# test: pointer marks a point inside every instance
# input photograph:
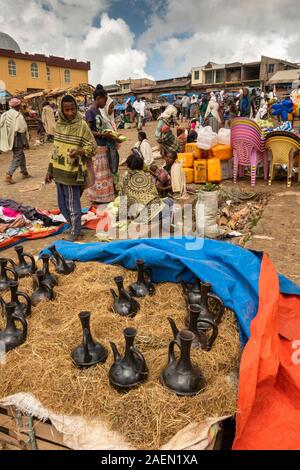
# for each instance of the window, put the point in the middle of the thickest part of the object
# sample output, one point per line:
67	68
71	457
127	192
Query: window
126	86
67	76
271	68
196	75
34	71
12	69
219	76
209	77
48	74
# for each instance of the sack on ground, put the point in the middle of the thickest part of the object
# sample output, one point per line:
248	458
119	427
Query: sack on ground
206	214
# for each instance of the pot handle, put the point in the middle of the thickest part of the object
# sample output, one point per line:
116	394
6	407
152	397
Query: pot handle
16	277
23	322
221	306
33	266
49	290
149	273
27	299
171	354
2	303
11	261
215	330
138	355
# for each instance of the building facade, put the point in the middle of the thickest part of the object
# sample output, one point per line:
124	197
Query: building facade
33	72
233	76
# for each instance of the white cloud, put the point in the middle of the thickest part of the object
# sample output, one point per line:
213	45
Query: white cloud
64	28
188	34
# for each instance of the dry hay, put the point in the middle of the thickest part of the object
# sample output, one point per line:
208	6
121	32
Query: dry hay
147	416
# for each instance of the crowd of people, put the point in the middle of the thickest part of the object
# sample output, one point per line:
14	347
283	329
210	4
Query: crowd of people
86	148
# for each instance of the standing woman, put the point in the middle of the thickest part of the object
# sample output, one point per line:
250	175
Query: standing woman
212	115
103	189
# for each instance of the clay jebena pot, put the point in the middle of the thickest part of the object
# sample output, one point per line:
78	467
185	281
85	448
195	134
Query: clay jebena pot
62	266
42	290
12	336
124	304
24	268
143	286
131	370
88	353
180	375
4	279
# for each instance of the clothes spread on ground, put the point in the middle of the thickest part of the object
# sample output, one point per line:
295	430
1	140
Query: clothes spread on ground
17	220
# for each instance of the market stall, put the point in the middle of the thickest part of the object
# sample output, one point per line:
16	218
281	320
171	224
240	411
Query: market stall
84	404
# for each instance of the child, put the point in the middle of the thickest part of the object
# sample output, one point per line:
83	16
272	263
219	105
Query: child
74	143
181	138
161	178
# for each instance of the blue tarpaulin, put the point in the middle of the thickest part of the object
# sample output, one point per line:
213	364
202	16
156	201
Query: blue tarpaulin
233	271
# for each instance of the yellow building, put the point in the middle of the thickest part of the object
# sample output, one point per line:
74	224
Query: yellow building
34	72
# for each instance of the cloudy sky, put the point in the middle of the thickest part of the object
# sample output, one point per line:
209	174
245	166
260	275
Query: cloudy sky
155	38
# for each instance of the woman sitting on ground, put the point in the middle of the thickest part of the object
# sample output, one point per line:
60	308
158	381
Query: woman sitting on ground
145	148
177	187
143	201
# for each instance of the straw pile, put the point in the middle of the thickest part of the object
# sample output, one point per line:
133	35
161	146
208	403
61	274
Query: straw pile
147	416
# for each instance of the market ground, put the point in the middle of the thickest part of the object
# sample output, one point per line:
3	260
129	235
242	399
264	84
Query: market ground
277	233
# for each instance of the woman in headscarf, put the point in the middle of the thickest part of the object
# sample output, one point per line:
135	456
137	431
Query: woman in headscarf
74	144
101	126
143	201
14	136
203	108
194	111
246	104
212	115
168	141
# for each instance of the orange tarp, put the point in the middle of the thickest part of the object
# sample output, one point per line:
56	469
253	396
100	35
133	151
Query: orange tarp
269	386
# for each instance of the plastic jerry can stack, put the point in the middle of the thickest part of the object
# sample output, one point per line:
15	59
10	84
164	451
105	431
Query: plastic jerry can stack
214	172
222	152
193	148
186	159
189	175
200	171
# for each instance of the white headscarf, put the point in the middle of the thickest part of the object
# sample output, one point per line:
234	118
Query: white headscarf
213	108
109	118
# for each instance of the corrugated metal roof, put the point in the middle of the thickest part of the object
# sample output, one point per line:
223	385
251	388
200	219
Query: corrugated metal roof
285	76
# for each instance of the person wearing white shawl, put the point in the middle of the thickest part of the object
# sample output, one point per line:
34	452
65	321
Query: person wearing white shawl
262	112
108	115
212	114
14	136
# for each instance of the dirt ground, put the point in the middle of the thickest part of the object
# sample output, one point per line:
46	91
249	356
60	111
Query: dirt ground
277	232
